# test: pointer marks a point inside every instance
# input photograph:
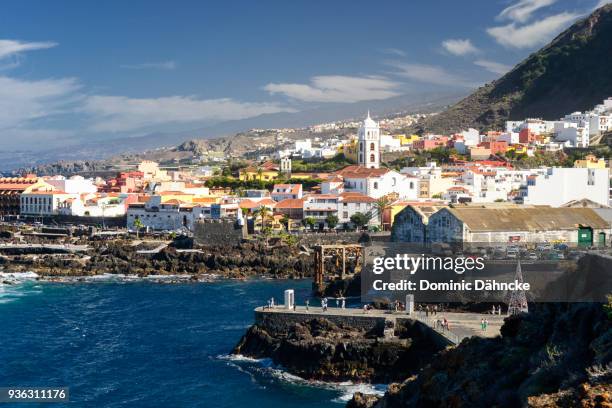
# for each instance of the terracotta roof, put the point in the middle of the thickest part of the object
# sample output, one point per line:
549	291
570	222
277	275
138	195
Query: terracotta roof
290	203
293	188
361	172
457	188
356	198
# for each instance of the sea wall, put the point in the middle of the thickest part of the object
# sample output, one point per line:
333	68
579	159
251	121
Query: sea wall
280	322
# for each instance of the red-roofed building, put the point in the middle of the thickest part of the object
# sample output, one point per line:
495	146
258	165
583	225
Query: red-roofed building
11	189
373	183
284	191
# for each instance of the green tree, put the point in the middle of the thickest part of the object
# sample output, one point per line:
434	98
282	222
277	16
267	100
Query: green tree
360	219
309	222
332	221
138	225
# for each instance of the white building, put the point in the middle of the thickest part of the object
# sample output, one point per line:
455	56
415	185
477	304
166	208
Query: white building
535	126
575	133
72	185
284	191
93	205
597	122
44	202
369	144
559	186
388	143
378	182
343	206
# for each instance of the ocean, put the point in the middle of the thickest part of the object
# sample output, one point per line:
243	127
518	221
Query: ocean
140	344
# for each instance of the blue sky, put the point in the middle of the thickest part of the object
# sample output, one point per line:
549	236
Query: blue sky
73	71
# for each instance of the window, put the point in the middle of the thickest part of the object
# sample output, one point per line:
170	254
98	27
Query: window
411	185
372	157
372	146
375	185
345	214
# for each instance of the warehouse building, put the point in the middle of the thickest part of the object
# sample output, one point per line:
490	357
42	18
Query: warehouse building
518	224
410	224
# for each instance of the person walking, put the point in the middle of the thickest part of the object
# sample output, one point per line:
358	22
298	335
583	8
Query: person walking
482	324
307	304
486	324
343	303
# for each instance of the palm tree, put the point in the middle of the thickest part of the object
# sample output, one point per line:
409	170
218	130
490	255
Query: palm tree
263	212
381	205
285	221
259	173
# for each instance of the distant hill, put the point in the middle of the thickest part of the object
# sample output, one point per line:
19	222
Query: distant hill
572	73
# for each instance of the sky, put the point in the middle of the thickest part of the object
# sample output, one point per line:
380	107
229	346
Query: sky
74	71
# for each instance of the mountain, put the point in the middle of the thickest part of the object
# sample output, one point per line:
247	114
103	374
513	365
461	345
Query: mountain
570	74
424	102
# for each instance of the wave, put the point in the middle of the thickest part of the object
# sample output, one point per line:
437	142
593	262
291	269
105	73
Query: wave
240	357
267	368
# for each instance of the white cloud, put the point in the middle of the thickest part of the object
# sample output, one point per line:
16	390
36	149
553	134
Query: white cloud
459	47
163	65
337	88
10	48
430	74
521	11
394	51
120	113
527	36
492	66
602	3
22	101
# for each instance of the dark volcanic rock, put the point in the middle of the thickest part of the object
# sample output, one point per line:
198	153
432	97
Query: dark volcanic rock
319	349
558	355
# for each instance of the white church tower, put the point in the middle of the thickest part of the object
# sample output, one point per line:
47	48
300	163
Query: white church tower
369	144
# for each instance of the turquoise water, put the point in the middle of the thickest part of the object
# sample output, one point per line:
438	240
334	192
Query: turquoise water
147	345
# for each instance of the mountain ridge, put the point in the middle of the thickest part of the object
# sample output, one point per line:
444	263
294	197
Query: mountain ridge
549	83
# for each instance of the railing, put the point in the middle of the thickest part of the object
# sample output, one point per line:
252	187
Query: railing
454	338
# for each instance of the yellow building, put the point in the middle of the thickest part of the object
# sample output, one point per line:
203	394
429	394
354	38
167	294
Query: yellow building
266	172
407	140
518	149
349	150
590	162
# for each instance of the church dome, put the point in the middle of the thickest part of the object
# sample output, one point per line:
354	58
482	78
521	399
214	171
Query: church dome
368	122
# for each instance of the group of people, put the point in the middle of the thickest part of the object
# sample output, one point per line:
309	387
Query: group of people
271	303
484	324
496	311
443	324
429	309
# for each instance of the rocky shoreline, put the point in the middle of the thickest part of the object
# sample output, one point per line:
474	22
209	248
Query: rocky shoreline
121	258
559	355
321	350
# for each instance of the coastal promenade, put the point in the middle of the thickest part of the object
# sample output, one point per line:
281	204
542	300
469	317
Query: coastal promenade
461	325
52	247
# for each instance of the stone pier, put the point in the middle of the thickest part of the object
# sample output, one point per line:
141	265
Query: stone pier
461	325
